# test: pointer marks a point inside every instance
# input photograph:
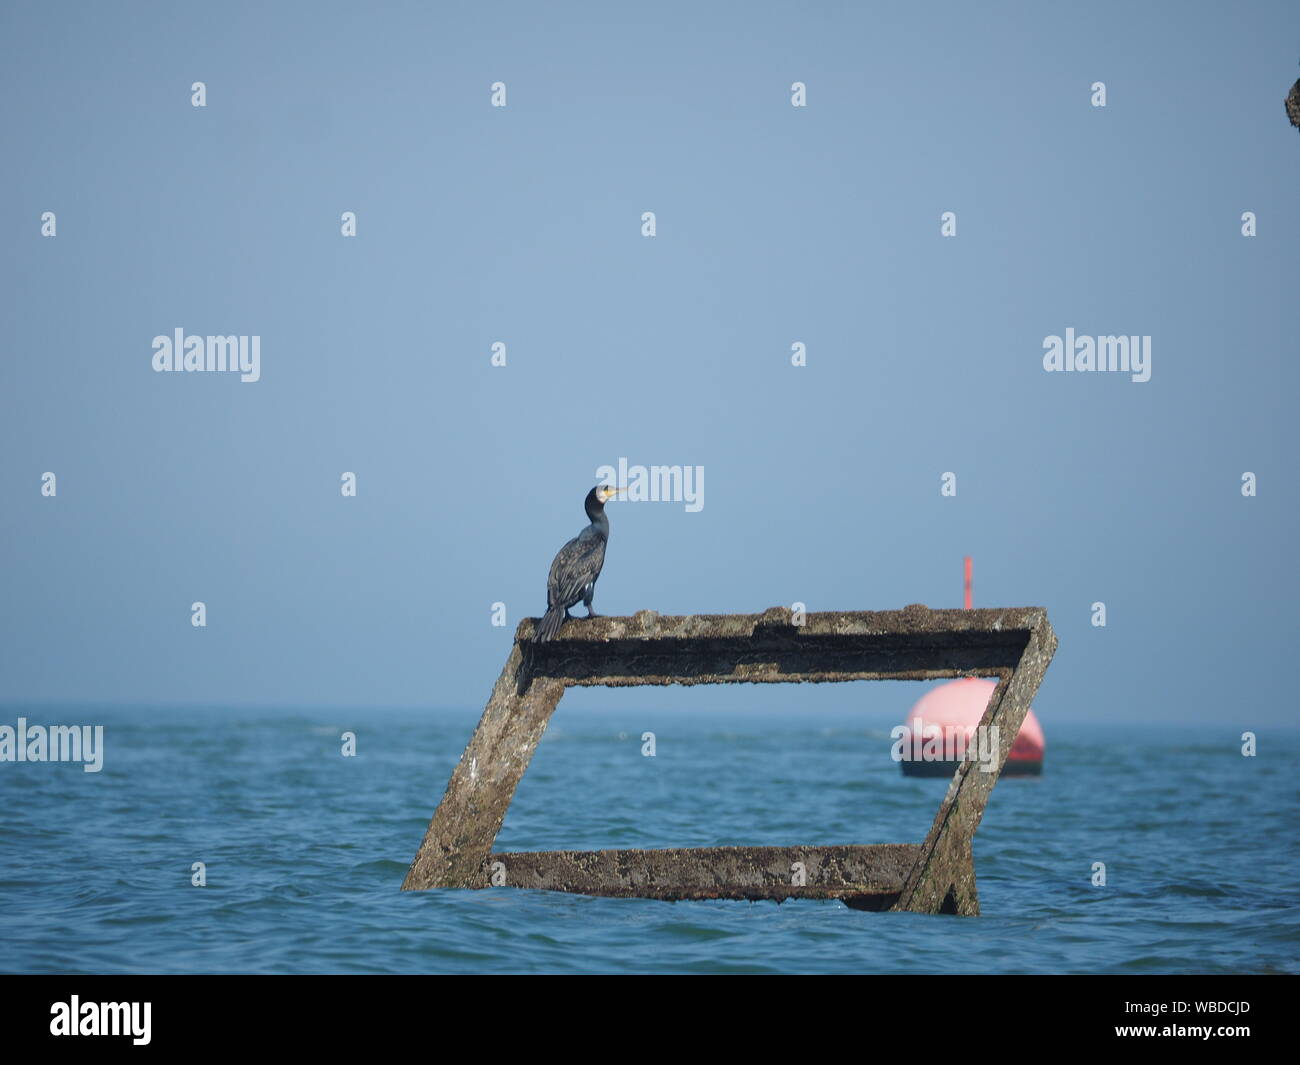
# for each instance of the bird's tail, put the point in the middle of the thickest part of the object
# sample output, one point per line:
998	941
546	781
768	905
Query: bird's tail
549	627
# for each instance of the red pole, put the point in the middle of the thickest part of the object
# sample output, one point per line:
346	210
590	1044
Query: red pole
968	572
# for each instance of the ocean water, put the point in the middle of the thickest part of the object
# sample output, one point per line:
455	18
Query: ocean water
305	849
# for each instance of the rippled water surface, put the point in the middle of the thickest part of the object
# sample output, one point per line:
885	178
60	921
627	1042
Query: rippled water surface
305	849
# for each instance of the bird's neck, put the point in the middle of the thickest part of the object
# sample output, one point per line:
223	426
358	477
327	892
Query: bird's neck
599	521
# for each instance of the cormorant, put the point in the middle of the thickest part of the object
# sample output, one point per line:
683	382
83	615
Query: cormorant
576	567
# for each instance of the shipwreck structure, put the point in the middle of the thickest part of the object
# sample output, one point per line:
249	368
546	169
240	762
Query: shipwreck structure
936	875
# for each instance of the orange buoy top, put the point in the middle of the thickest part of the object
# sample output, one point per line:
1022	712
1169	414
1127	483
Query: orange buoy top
956	707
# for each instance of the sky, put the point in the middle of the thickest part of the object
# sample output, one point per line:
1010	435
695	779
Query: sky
523	225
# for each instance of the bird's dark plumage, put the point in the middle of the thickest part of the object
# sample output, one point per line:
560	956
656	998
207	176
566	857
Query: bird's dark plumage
573	573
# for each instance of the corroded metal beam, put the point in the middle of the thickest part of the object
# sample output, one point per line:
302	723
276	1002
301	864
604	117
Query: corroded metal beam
865	877
910	644
915	643
944	874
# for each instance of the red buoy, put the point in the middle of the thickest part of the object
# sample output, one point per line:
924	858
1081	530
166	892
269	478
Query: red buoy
944	719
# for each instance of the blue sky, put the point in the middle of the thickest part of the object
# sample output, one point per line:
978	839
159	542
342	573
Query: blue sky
522	224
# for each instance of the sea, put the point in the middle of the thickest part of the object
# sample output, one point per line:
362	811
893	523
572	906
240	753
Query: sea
227	840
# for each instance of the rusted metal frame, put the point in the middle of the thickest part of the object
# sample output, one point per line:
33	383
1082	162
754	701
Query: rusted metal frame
767	648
